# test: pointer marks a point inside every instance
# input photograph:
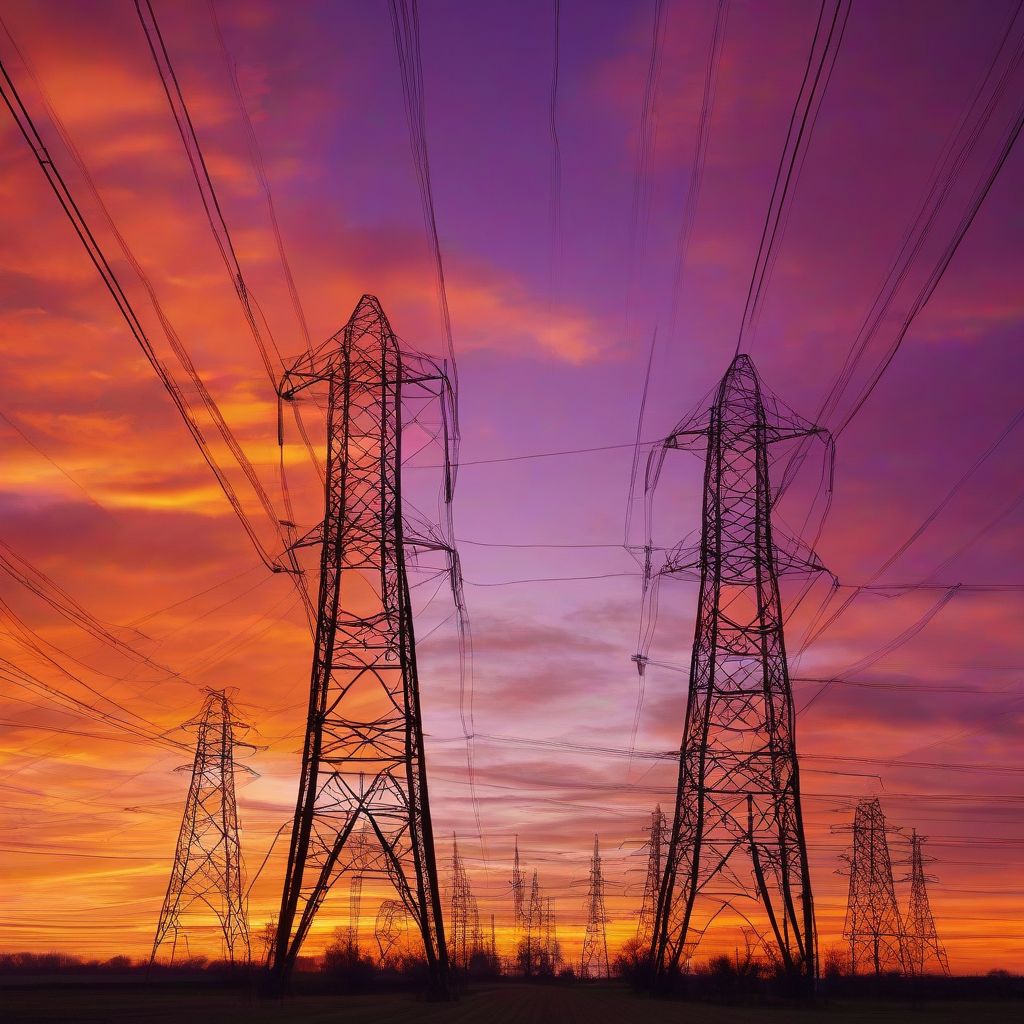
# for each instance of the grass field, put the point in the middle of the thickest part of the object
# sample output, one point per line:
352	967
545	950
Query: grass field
497	1004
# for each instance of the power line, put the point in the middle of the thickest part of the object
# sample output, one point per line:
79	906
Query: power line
813	87
55	179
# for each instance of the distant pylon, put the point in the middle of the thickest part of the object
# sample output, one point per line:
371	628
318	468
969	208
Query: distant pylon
873	926
364	718
534	928
360	863
518	892
355	906
923	948
463	917
652	884
208	873
552	947
594	959
738	791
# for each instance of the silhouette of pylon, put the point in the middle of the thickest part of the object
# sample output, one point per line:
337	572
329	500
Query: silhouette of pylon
363	758
737	832
594	958
652	883
923	948
208	875
873	924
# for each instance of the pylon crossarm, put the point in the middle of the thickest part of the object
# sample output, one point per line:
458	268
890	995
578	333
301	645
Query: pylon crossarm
294	382
312	538
776	434
686	440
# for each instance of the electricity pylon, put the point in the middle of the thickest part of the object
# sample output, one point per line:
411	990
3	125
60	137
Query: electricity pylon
923	948
518	897
552	947
359	865
518	890
739	785
873	925
652	884
594	958
534	919
363	757
208	873
463	919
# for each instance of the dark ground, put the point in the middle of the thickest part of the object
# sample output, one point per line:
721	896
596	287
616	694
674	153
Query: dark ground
601	1003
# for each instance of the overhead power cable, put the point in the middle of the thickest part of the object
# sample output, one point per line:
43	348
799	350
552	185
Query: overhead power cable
828	37
57	183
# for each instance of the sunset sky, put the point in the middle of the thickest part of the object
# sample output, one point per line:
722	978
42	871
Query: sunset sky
554	300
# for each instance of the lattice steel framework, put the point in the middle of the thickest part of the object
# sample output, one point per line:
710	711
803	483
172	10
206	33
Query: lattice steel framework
391	932
873	924
594	958
464	939
518	892
363	757
360	863
552	961
923	948
532	948
652	883
208	875
739	783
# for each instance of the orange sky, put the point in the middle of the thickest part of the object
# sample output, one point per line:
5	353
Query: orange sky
104	492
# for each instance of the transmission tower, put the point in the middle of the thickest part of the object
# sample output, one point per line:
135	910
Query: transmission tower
652	884
738	789
534	928
552	960
594	959
364	709
518	891
360	864
923	948
463	917
208	874
873	925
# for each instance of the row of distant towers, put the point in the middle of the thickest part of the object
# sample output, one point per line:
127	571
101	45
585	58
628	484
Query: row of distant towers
882	939
736	832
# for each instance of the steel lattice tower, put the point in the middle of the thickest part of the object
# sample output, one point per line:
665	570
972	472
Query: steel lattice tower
363	757
873	924
463	919
652	883
922	940
360	863
208	872
534	920
518	891
594	958
738	789
552	948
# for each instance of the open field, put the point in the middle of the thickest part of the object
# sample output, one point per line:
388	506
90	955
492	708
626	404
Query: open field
498	1004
